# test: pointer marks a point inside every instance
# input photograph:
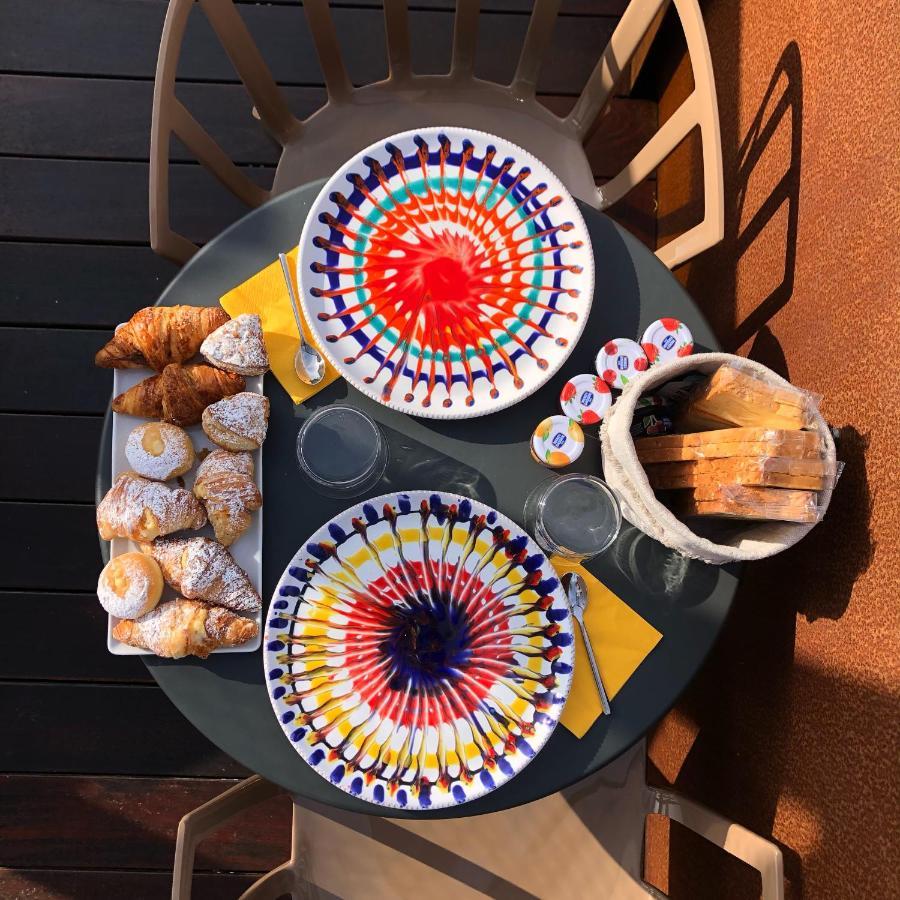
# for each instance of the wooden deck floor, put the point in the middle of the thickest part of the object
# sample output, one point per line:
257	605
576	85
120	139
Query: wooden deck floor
96	766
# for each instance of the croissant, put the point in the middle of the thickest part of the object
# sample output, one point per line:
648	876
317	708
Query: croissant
158	335
178	395
140	509
201	569
225	485
183	627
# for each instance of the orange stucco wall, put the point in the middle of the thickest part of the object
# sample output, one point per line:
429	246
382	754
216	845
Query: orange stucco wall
793	728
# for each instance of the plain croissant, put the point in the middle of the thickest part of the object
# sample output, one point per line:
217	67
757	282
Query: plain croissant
182	627
178	395
225	485
159	335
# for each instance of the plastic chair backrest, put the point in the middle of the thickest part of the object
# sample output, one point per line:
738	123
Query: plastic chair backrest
352	117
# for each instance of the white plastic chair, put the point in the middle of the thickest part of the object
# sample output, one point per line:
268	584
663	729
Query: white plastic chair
585	842
354	117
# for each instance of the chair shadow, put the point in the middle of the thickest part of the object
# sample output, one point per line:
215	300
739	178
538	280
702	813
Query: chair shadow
781	106
765	125
746	701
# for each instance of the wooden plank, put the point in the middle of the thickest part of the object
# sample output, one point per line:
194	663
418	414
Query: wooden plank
114	729
68	117
80	656
62	884
71	821
78	284
51	370
90	201
61	38
49	457
49	546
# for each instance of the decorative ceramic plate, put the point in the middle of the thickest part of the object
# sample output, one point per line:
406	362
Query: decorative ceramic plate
446	272
418	650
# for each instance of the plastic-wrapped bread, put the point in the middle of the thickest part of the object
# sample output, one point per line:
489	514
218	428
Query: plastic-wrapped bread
772	471
743	502
809	439
732	396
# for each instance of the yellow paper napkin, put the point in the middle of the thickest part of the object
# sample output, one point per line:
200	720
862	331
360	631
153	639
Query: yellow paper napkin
265	294
621	639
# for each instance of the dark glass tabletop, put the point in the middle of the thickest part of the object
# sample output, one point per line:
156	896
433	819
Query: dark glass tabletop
486	458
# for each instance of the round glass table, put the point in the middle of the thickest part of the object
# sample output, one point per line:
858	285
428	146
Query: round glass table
487	458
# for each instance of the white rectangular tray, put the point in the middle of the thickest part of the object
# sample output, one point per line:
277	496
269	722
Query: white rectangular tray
246	550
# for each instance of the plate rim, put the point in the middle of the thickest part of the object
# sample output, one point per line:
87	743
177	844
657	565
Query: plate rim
436	412
568	654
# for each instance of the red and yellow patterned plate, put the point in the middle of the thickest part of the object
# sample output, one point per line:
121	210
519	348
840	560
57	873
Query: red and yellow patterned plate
418	650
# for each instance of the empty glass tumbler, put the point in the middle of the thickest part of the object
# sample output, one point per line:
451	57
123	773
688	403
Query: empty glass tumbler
574	516
341	451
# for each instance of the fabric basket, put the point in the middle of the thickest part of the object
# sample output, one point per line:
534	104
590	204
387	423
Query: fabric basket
729	541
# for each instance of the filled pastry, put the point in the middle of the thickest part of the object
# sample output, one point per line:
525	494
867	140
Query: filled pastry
238	346
130	585
181	627
159	335
159	451
225	485
178	395
202	569
142	510
238	422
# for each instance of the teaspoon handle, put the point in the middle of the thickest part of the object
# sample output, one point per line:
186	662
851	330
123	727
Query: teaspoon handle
604	700
285	268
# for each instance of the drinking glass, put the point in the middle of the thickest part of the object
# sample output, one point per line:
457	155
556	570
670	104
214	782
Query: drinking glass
341	451
574	516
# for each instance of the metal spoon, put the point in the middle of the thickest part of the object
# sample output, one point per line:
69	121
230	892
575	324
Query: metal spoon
576	590
308	362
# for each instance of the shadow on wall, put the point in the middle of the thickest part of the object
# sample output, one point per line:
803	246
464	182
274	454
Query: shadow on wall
753	223
786	84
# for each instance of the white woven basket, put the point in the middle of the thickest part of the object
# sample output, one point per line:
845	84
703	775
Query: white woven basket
624	473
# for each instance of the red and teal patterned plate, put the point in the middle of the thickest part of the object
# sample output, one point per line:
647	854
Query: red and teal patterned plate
446	272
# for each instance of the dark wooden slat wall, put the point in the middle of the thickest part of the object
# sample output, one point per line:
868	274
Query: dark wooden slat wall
96	765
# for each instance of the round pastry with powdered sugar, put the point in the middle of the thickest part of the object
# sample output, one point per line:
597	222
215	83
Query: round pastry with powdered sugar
238	346
238	422
130	585
159	451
